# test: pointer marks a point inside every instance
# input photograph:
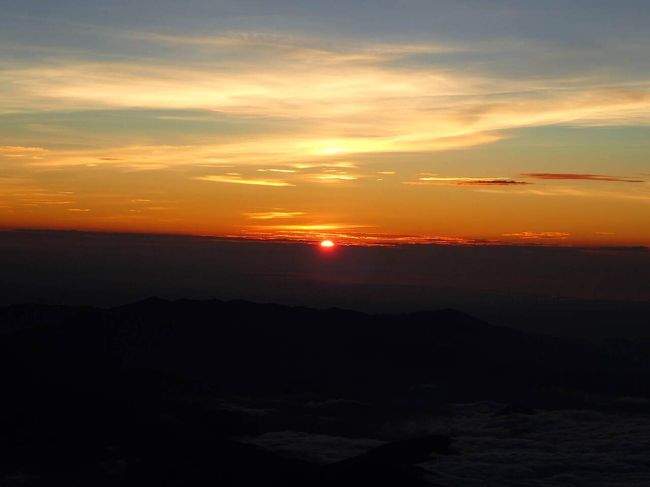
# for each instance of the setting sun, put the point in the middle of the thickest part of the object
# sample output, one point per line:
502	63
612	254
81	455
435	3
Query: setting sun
327	244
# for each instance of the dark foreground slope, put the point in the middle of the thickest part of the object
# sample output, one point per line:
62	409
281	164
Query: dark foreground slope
185	392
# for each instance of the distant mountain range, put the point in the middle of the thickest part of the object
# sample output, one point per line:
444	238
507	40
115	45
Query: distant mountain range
163	389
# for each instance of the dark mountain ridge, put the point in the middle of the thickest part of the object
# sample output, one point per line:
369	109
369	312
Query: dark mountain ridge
159	391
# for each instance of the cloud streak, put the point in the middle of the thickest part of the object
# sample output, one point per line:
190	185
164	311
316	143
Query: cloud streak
463	181
580	177
19	149
241	180
539	235
273	215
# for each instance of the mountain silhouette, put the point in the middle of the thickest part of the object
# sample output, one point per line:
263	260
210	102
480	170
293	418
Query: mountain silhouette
165	392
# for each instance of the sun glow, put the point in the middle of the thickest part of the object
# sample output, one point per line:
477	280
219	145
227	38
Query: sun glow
327	244
332	150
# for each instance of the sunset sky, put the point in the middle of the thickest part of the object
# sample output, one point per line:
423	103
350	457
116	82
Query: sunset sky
367	122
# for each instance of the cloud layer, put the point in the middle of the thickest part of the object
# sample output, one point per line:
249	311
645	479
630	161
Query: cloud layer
580	177
347	98
462	181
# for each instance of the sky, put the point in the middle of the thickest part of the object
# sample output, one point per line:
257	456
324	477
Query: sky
367	122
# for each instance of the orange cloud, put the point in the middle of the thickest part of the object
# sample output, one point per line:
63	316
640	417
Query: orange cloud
19	148
308	228
539	235
343	236
584	177
332	177
272	215
466	181
233	179
277	170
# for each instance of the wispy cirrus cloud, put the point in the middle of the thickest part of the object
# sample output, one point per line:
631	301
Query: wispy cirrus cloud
274	214
539	235
580	177
325	99
638	194
310	227
21	193
20	149
284	171
300	48
233	179
331	177
325	164
465	181
23	153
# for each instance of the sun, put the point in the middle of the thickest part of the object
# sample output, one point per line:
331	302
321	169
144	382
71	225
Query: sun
327	244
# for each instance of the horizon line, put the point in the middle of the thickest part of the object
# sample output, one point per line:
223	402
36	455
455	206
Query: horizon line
397	240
